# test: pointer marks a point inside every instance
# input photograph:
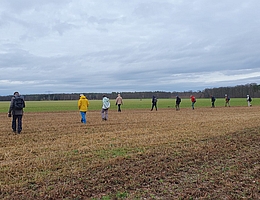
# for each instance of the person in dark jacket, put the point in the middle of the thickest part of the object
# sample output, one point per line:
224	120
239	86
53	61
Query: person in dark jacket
16	110
178	101
227	99
154	103
213	99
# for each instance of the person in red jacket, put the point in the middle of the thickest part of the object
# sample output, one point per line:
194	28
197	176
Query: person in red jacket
193	101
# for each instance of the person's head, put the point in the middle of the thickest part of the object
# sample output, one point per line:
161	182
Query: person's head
247	95
16	93
104	95
118	95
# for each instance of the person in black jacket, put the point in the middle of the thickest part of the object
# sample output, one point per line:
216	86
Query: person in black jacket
154	103
16	110
178	101
213	99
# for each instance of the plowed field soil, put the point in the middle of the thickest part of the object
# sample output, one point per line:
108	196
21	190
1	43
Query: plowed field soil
204	153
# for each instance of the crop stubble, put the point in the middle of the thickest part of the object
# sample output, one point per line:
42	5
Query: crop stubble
202	153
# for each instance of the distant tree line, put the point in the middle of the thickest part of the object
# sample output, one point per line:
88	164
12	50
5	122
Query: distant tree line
239	91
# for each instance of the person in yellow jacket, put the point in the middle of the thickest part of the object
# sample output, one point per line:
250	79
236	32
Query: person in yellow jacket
83	104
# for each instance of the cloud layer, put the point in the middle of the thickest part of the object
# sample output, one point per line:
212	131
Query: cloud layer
66	46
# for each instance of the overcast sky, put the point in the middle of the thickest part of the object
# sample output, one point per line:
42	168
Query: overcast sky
74	46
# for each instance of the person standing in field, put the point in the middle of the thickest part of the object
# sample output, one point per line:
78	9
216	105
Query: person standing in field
154	103
227	99
105	107
16	110
119	102
213	99
193	101
178	101
83	104
249	99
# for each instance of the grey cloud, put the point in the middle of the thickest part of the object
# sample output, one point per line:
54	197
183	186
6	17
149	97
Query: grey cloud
18	7
118	45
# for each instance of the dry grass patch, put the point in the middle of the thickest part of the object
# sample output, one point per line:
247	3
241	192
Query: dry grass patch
202	153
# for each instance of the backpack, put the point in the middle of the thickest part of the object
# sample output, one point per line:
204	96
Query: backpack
18	103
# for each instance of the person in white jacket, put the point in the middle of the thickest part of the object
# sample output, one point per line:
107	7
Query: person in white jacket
105	107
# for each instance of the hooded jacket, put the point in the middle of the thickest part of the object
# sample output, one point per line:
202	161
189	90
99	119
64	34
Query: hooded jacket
106	103
119	100
193	99
83	104
11	108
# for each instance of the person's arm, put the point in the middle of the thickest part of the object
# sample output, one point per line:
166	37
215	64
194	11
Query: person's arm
10	107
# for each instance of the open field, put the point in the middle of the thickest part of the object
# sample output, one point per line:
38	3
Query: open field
137	154
54	106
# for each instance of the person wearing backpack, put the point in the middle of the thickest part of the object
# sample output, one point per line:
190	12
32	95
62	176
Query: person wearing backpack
227	99
249	99
16	110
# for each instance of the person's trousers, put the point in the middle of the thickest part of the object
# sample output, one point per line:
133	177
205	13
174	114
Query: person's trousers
227	104
17	123
213	104
83	117
119	107
192	105
154	105
104	114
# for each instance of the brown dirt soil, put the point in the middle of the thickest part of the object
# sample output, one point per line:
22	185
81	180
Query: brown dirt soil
137	154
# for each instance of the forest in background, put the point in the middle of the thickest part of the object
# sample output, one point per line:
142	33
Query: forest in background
238	91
